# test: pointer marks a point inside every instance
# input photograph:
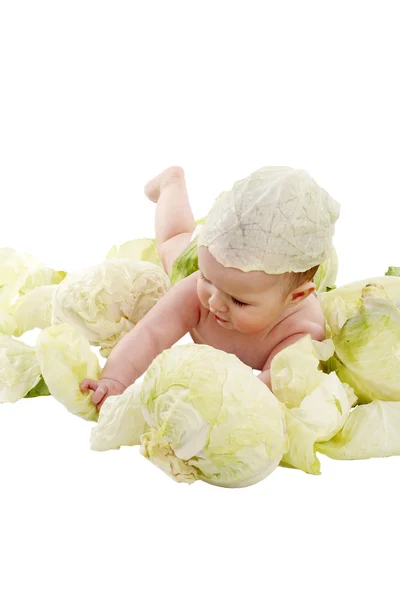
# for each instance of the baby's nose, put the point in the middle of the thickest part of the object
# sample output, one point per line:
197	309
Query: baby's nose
216	302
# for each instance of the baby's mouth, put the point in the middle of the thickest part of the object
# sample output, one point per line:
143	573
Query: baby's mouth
219	319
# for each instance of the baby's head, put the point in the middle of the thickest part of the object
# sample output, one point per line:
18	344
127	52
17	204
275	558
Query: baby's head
261	245
249	301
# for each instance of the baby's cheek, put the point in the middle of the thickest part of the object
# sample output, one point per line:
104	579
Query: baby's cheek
202	294
246	317
253	321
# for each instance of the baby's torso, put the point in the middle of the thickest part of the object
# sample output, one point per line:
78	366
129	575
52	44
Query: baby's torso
254	350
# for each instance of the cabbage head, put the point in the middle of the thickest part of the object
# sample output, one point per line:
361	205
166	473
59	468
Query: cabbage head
317	404
21	273
144	249
187	263
19	369
367	347
65	359
15	268
106	301
371	431
22	307
32	310
7	323
210	418
40	277
121	422
340	304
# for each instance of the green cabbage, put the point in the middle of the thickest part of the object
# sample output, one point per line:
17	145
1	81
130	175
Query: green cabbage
395	271
7	323
33	310
65	359
325	277
22	307
371	431
210	418
121	422
42	276
144	249
40	389
343	302
364	321
19	369
104	302
367	347
15	267
187	263
317	404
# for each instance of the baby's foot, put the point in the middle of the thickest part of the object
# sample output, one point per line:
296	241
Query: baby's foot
153	188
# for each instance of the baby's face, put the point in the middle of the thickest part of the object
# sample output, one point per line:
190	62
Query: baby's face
250	302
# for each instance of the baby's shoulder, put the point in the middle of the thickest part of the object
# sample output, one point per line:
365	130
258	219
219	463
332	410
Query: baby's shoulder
308	319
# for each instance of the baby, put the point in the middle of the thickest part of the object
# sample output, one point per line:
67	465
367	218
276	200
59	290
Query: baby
253	295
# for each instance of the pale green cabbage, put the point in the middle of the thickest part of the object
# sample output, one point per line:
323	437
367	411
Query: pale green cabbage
367	347
66	359
210	418
343	302
144	249
106	301
33	310
371	431
20	275
15	267
187	263
121	422
364	320
325	277
40	277
393	271
19	369
317	404
295	370
7	323
276	220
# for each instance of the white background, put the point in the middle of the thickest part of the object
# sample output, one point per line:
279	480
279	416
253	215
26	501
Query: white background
96	98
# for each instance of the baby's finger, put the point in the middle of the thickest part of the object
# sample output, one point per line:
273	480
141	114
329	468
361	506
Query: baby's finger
100	404
88	384
99	394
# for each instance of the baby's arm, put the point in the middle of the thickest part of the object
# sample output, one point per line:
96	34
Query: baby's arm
167	322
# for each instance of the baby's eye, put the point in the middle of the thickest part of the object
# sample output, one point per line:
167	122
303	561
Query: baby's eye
234	299
238	302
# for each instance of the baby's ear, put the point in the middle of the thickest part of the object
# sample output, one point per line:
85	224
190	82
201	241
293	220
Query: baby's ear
301	293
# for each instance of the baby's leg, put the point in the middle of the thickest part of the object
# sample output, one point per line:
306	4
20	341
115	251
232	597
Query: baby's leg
174	220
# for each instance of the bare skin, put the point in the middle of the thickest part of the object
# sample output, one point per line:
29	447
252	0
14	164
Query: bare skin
257	321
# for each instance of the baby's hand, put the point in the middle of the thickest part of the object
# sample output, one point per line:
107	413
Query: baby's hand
102	389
